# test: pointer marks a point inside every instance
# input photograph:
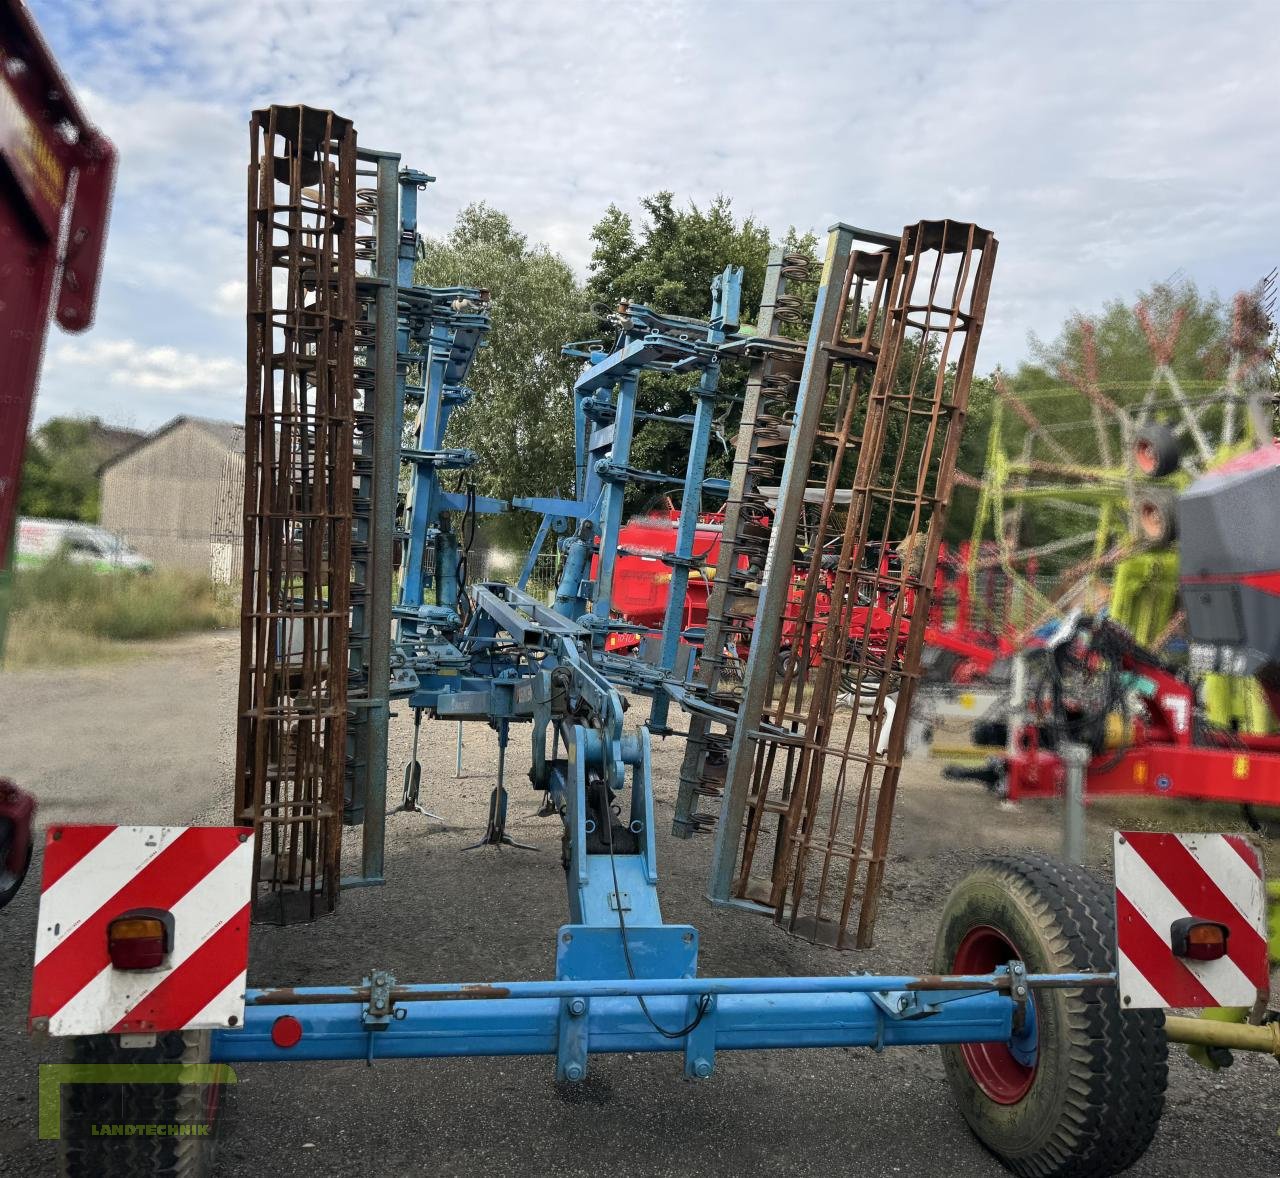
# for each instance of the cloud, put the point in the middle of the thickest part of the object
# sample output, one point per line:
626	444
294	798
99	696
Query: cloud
229	298
1106	145
126	362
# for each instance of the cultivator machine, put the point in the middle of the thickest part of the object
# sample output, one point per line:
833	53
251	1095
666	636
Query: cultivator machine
847	443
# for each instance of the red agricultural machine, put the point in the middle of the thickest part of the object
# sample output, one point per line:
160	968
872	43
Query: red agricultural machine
956	650
1139	717
56	173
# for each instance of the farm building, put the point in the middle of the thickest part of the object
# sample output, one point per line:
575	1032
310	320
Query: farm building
176	495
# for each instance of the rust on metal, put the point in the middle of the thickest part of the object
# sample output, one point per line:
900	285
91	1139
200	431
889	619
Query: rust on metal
827	751
289	996
298	489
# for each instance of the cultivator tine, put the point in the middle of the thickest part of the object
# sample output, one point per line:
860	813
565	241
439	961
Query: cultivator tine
290	747
731	606
413	777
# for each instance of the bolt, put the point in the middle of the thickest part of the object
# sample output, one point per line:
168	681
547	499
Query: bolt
232	1020
578	1006
574	1072
702	1068
903	1002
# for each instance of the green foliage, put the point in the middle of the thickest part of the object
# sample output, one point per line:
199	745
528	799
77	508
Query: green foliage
668	263
1122	363
520	421
1112	352
60	474
64	613
971	458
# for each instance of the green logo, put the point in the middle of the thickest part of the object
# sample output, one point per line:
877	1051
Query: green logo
54	1075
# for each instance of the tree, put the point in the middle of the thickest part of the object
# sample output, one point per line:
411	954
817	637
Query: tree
520	420
1117	352
667	263
60	474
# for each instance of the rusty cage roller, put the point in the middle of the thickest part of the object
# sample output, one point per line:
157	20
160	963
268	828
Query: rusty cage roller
298	499
896	362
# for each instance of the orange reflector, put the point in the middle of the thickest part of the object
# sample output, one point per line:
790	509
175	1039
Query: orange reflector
1198	940
128	927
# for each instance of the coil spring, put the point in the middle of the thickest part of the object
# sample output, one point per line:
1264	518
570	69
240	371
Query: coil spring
367	210
787	308
797	267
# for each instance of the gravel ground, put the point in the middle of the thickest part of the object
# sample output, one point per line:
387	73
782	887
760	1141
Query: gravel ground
152	739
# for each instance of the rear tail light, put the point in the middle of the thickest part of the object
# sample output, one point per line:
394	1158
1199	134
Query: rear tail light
140	939
1198	940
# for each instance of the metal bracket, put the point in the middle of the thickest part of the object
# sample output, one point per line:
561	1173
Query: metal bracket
914	1004
700	1042
377	1013
381	1008
620	901
1019	992
572	1042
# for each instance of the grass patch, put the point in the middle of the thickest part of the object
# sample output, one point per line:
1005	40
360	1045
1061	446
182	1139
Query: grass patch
62	614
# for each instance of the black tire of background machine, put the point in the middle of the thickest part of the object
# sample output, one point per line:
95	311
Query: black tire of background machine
9	884
1157	514
1157	450
86	1155
1098	1091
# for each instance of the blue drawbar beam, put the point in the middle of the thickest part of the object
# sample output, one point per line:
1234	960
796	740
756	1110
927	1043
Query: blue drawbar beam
531	1026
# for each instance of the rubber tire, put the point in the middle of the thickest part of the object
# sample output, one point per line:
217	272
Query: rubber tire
1098	1091
8	893
1160	444
1157	515
84	1155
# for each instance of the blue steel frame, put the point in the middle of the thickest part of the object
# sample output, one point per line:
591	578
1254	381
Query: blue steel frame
440	331
625	979
606	416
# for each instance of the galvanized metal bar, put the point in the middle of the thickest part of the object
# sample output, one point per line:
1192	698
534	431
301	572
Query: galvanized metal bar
621	987
382	420
701	770
767	633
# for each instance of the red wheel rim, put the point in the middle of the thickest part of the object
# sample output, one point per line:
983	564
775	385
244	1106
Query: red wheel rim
992	1065
1144	456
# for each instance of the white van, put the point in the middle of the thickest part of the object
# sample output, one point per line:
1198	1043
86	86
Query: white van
42	539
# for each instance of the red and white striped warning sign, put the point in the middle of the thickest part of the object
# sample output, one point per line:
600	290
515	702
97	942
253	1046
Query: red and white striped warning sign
1162	879
202	876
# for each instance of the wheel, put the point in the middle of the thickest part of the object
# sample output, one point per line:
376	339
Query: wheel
11	881
1089	1099
1155	450
187	1113
1156	516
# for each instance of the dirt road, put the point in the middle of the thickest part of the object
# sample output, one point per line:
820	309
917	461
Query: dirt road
152	739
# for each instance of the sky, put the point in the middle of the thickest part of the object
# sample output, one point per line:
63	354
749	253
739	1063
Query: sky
1108	145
